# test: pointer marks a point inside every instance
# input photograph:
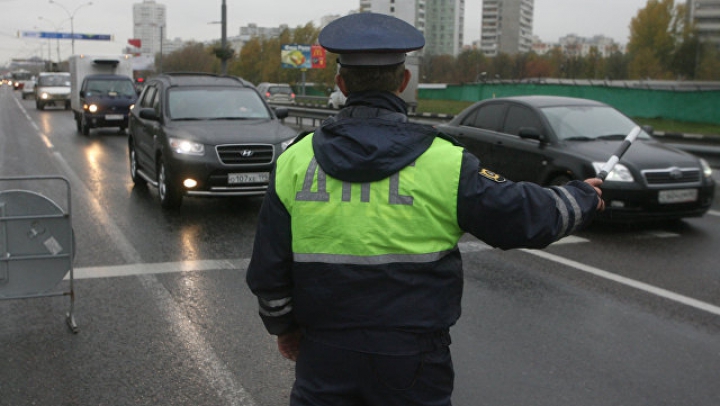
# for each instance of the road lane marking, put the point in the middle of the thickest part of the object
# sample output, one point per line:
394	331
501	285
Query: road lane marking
713	213
158	268
628	282
214	370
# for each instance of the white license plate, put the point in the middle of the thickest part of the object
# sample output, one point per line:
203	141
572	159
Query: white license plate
251	177
113	117
677	196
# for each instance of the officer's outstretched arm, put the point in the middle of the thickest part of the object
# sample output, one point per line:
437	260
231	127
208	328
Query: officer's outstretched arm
507	214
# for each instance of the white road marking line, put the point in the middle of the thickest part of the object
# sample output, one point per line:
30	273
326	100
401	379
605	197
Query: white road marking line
158	268
213	368
628	282
713	213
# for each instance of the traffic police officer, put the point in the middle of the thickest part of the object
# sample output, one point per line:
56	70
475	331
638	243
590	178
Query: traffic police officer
355	262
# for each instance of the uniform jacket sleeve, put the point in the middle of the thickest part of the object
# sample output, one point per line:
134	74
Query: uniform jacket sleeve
506	214
269	274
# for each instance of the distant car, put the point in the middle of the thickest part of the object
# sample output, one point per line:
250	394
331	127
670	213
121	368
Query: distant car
336	99
280	93
552	140
106	100
29	89
200	134
52	89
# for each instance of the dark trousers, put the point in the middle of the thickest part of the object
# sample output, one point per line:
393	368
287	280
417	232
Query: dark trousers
330	376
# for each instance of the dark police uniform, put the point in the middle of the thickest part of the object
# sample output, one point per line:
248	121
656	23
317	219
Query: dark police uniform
357	237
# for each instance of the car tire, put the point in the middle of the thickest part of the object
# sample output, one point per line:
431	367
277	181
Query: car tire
559	180
169	193
135	166
84	127
39	106
67	105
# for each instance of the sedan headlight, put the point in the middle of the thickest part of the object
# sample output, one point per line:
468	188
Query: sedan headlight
620	172
186	147
707	171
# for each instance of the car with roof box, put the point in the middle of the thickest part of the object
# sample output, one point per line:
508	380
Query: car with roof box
204	135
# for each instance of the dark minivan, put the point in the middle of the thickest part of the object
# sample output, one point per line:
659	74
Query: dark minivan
106	102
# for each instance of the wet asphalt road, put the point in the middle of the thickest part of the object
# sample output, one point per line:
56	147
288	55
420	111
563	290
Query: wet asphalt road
614	315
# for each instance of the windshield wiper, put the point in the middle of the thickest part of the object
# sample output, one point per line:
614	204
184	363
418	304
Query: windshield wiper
618	137
580	138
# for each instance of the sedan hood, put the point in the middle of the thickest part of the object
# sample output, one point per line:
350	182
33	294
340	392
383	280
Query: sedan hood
216	132
642	154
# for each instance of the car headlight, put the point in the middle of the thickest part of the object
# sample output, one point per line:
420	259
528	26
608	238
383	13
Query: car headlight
186	147
707	171
91	107
620	172
44	95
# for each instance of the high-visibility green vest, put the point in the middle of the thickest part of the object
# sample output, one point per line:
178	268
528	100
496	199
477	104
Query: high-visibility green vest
410	216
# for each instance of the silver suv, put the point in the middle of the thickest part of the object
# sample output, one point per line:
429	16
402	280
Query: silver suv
280	93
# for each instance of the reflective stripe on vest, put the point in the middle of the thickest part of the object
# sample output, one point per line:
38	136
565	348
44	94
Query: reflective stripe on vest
410	216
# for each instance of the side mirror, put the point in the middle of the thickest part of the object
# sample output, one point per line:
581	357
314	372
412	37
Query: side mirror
281	112
648	129
82	93
148	114
531	133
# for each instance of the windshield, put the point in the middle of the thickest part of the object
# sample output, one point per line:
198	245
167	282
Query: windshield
589	123
110	87
279	90
215	103
54	80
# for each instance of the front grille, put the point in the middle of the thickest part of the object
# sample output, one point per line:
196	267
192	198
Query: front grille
245	154
672	176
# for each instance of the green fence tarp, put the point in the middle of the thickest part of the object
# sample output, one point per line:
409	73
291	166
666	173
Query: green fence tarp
691	106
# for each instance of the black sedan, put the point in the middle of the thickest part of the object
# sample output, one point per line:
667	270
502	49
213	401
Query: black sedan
551	140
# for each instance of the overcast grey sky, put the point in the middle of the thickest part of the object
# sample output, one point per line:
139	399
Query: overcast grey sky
191	19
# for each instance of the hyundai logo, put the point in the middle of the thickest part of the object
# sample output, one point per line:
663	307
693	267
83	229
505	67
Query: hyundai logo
676	173
246	153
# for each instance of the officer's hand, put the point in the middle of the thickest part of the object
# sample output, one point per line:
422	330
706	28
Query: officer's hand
596	183
289	344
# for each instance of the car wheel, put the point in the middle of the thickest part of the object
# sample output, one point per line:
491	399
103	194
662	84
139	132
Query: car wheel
84	127
67	105
134	166
39	106
170	196
559	180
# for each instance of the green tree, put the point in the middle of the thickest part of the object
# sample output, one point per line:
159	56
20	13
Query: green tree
653	34
193	57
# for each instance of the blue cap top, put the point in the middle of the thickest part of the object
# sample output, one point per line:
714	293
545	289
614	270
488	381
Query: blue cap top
370	39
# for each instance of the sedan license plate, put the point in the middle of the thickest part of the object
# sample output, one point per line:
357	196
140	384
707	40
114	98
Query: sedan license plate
113	117
250	177
677	196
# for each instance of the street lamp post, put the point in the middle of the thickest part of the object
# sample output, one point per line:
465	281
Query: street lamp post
72	18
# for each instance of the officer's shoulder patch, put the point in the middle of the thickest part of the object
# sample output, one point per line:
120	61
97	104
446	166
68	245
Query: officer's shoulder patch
491	175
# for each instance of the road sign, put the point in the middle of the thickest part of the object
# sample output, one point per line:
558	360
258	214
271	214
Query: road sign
65	35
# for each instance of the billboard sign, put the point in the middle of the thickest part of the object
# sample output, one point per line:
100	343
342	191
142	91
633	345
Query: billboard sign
298	56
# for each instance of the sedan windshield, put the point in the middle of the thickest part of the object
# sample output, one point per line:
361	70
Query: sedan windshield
589	123
215	104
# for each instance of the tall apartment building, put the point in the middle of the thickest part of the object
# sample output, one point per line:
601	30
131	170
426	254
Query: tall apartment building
706	16
442	22
444	26
506	26
410	11
149	25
